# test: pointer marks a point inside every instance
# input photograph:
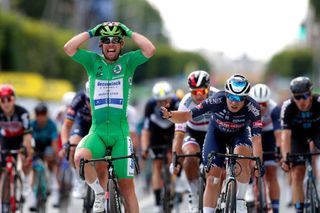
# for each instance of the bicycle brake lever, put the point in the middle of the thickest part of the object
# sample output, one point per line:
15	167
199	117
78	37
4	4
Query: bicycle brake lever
81	169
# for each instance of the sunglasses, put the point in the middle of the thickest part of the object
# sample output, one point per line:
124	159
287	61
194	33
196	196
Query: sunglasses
263	104
113	40
6	99
199	91
303	96
235	98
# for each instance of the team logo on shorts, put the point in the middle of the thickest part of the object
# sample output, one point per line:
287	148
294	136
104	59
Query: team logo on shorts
117	69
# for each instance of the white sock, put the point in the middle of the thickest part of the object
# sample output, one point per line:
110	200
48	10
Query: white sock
97	188
208	210
242	189
193	186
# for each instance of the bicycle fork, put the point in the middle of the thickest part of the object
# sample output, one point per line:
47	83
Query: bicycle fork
10	169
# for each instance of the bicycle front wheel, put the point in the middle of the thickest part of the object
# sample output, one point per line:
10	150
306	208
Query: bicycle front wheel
231	198
262	200
312	197
201	188
114	204
5	193
88	200
18	188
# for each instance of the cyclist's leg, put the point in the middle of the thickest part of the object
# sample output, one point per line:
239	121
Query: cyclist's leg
91	146
243	145
124	169
191	168
268	145
213	183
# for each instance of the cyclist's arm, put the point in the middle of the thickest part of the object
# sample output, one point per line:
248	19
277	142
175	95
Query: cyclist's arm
145	140
27	142
146	46
75	42
277	134
257	146
176	116
177	142
65	130
285	142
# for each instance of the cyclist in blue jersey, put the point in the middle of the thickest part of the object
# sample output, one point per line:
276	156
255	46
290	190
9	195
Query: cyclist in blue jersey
46	147
300	123
235	122
271	141
76	125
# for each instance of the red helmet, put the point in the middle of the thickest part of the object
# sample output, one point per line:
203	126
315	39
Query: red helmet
6	90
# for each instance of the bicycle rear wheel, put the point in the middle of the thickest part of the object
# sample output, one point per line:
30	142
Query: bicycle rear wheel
88	200
115	198
5	195
231	198
18	188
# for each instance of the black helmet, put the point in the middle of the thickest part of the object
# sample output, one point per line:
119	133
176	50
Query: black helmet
300	85
198	79
41	108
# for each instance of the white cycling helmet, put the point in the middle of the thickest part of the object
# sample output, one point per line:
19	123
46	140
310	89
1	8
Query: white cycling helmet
162	90
67	98
260	92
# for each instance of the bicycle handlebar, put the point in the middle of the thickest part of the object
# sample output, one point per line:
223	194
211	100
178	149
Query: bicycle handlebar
109	160
67	147
301	156
214	154
175	157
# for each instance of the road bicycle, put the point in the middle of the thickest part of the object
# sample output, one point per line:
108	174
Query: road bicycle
168	193
201	178
227	198
11	183
262	204
40	183
112	194
312	202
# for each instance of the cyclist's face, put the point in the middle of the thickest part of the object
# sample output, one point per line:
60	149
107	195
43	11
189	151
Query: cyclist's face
164	103
42	118
7	104
199	95
111	47
303	101
235	104
263	107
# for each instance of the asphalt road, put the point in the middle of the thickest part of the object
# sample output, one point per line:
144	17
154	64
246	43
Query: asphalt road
146	200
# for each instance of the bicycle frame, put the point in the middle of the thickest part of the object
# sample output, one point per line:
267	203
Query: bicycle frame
312	201
227	199
168	191
112	194
10	204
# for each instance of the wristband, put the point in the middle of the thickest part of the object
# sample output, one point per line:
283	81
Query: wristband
90	34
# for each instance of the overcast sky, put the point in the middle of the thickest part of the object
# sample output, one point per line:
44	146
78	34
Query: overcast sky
258	28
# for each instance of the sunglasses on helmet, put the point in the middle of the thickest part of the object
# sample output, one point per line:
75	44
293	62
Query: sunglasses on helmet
199	91
109	39
303	96
235	98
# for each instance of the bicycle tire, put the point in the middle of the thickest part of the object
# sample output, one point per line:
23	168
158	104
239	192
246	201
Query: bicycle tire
40	190
231	198
115	198
201	187
5	196
18	189
312	199
262	201
88	200
166	192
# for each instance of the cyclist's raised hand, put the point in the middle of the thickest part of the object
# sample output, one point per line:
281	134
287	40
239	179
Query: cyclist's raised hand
165	113
96	31
126	30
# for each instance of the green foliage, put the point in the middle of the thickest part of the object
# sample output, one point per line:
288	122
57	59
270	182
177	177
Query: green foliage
316	7
290	63
27	45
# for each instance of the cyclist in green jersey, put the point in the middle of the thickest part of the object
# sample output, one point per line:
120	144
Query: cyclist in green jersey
110	78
